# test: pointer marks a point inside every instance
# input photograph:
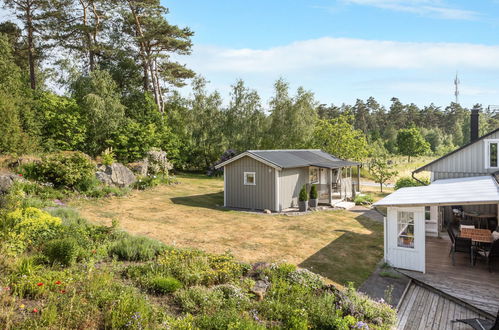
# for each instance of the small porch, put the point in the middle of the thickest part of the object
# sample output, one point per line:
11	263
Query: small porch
473	285
335	184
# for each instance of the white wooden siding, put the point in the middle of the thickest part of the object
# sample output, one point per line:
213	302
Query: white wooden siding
400	257
470	161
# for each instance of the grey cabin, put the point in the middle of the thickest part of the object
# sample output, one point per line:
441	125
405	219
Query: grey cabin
272	179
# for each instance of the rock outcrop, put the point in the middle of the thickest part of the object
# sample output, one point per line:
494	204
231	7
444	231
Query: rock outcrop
116	175
6	181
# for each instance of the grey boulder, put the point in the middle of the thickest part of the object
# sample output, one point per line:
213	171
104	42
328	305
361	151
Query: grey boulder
115	175
6	181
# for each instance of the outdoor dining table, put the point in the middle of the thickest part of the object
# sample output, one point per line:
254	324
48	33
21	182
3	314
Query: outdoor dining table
477	235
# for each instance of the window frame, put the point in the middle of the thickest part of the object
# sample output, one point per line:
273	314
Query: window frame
316	169
427	212
245	180
407	223
487	157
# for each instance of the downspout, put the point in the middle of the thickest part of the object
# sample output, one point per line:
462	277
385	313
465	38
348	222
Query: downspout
414	177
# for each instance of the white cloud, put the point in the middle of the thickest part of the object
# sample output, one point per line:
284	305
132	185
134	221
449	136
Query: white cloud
430	8
340	70
345	53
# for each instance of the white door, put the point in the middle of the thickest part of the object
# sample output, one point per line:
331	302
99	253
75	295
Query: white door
405	238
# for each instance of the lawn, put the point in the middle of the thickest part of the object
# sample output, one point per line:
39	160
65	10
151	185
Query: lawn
343	246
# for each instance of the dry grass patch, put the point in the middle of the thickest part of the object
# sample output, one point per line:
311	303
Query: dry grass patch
340	245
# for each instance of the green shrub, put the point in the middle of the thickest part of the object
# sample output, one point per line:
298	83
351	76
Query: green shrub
227	320
303	197
194	267
410	182
129	310
107	157
62	251
134	248
28	227
164	285
313	192
150	181
363	200
65	169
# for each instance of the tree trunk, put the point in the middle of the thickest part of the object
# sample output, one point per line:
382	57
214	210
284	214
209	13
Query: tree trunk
92	48
31	46
143	55
381	186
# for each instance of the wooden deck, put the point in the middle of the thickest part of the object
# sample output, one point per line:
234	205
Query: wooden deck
423	308
475	286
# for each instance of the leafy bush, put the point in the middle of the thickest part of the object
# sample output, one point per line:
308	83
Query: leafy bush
134	248
164	285
107	157
363	200
303	197
195	267
313	192
228	154
410	182
306	278
65	169
62	251
203	300
150	181
23	228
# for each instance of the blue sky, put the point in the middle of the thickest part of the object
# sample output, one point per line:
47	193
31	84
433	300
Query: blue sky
348	49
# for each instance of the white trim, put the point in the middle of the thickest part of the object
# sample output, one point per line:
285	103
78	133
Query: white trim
277	187
225	190
249	154
314	168
487	143
385	245
245	180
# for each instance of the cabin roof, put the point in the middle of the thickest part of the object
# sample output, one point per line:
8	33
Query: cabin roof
292	158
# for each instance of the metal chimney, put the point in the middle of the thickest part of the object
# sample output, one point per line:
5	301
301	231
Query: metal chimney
475	113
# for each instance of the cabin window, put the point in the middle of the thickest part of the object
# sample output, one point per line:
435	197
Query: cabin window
493	154
427	213
405	227
314	175
249	178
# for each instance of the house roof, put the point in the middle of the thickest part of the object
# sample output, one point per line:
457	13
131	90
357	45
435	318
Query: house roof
458	191
293	158
422	168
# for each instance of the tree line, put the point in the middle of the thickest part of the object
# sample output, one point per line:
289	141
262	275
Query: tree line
90	75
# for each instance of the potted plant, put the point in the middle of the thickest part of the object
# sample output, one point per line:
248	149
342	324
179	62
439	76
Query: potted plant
313	202
302	199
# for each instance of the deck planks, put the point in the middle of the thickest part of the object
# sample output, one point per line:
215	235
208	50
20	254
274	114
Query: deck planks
424	308
474	285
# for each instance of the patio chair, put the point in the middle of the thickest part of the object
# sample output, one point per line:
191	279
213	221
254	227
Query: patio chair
481	324
489	254
459	244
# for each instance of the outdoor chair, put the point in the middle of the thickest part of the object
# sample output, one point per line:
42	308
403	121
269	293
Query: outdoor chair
481	324
489	254
459	244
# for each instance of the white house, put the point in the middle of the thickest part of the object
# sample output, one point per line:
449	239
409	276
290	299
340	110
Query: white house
465	179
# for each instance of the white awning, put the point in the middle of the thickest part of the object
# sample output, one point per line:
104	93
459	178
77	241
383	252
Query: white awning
460	191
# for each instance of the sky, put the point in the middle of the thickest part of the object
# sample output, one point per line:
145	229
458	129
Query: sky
342	50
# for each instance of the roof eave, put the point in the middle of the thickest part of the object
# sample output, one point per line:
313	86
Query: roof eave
249	154
422	168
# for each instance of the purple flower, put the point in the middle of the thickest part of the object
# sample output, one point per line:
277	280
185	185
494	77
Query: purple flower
361	325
